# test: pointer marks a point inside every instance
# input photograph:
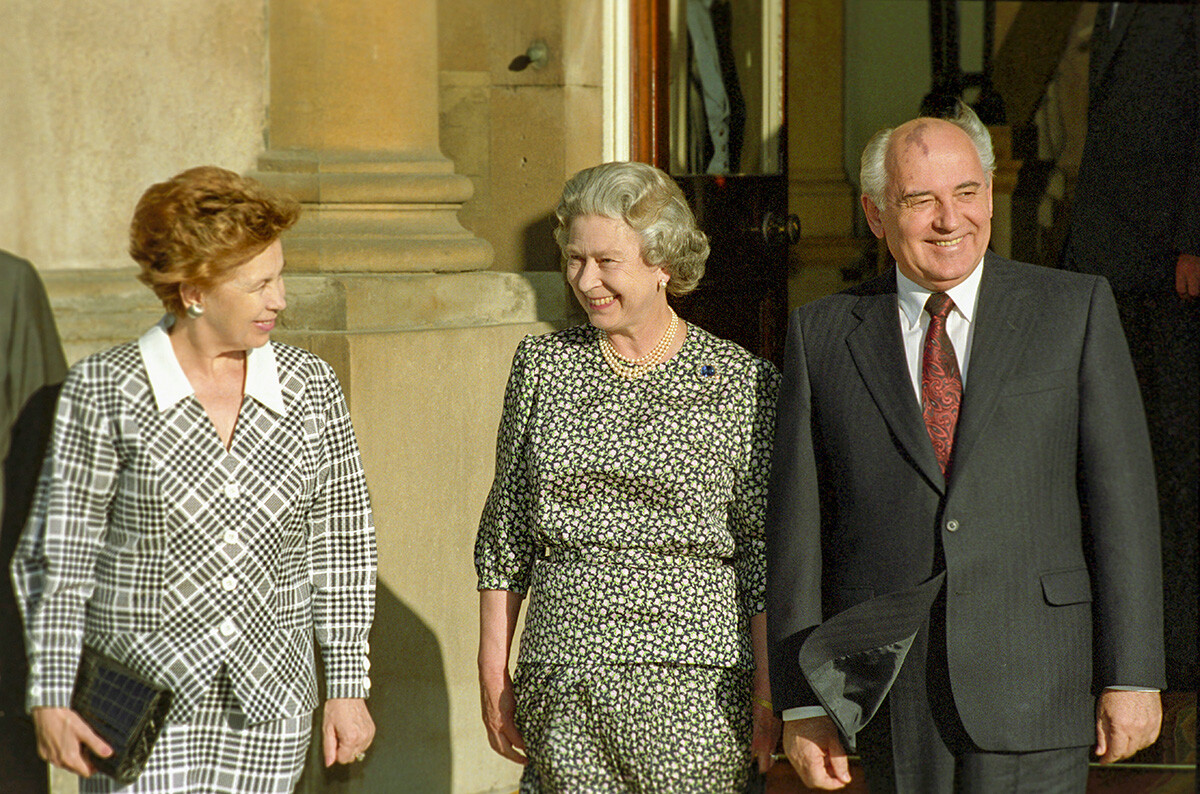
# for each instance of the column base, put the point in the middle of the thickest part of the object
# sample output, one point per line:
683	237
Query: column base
375	212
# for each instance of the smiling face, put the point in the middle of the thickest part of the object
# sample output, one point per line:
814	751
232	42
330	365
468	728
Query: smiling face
240	312
611	280
937	217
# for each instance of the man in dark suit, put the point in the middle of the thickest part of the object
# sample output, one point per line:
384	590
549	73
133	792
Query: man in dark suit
1135	219
31	368
974	425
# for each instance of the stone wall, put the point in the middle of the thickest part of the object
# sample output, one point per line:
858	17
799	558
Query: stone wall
517	130
101	99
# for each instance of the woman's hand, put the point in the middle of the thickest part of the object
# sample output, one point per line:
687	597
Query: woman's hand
499	707
61	736
348	730
767	728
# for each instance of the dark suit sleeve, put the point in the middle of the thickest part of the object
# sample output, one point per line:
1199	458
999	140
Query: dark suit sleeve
1120	498
793	530
1187	237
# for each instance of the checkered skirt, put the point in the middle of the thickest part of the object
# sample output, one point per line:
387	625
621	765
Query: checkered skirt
217	753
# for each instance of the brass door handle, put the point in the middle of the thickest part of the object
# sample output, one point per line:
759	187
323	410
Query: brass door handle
780	228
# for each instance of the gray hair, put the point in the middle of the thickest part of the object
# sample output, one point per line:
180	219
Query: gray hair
653	206
873	177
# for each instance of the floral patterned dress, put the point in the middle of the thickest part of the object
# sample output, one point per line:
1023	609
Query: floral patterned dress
632	512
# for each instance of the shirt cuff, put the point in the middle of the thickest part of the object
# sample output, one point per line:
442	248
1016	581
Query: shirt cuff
803	713
1131	689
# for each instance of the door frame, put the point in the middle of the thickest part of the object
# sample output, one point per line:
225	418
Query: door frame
644	43
616	81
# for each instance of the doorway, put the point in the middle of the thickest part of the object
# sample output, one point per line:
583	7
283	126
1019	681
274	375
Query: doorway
707	99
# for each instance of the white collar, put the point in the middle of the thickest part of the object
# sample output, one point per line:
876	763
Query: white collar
170	385
912	296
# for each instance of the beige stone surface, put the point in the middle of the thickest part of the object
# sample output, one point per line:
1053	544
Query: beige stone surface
102	98
519	133
582	144
817	264
819	190
528	168
354	77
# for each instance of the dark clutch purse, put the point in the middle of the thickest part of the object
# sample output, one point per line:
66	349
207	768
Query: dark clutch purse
124	708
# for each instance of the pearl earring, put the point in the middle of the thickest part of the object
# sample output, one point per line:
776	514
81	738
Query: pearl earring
195	310
662	284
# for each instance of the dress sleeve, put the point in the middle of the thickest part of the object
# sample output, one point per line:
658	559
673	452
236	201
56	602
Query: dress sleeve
342	550
53	568
504	546
747	513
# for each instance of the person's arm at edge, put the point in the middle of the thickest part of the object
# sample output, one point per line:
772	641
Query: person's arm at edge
767	727
69	514
1118	481
1187	236
1187	275
344	561
498	611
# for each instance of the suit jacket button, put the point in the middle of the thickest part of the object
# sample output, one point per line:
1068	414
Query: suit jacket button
952	525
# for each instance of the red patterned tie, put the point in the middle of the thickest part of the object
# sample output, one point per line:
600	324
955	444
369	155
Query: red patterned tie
941	384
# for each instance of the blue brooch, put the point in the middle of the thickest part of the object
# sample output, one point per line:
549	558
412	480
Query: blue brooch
707	370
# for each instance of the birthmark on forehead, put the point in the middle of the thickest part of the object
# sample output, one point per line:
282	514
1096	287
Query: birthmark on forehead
916	137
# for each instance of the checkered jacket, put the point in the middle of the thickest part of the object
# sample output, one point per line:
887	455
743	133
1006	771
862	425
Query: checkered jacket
151	542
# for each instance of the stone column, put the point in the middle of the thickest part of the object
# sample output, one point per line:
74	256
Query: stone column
352	131
1004	183
385	284
818	189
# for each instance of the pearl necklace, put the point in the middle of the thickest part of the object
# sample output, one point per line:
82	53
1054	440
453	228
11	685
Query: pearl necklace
637	367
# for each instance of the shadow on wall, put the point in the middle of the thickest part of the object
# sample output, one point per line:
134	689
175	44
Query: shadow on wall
411	709
556	303
540	249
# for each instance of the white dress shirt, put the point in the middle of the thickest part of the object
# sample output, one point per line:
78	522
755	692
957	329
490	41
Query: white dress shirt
914	321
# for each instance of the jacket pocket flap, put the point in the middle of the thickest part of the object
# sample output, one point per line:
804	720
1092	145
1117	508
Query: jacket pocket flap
1072	586
1039	382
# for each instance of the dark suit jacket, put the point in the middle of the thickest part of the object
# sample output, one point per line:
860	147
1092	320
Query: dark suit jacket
1136	203
1050	428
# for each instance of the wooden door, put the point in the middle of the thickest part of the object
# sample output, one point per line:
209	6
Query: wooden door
708	100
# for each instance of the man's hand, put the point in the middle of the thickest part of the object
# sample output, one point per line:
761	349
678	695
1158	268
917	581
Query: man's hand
62	736
348	730
1125	723
1187	276
813	747
499	707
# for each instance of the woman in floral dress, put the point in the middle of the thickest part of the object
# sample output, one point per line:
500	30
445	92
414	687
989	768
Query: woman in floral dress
631	473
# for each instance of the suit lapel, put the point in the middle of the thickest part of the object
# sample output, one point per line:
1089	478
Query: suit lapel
878	353
1106	40
1002	323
